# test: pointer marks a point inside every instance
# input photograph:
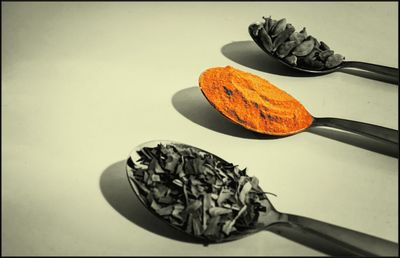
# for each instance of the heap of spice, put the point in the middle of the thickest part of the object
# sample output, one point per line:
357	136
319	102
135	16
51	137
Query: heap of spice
197	192
295	48
253	102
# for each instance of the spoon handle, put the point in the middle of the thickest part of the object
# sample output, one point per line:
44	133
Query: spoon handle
380	69
337	239
374	131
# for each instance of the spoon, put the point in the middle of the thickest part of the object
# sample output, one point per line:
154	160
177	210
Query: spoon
346	241
391	72
260	106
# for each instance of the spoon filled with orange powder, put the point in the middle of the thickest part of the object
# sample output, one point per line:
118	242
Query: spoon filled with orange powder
258	105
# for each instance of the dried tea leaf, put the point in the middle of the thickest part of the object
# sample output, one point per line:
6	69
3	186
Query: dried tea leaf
228	226
139	172
146	153
159	191
155	178
214	196
197	165
165	210
155	206
171	162
213	228
243	193
224	195
254	183
177	182
195	191
155	166
206	207
188	166
197	227
177	209
194	205
217	211
189	225
140	185
166	200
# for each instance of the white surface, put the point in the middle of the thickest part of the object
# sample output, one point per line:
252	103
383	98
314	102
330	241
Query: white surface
84	83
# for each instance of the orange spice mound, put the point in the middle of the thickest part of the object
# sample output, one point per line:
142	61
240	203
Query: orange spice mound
253	102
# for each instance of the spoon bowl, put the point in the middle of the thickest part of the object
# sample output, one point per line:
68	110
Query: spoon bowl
265	219
259	106
347	241
260	45
379	69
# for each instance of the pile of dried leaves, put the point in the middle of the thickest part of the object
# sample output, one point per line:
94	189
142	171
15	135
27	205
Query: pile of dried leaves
196	191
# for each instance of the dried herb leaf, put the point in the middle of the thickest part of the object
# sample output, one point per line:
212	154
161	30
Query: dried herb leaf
223	196
197	227
243	193
228	226
213	229
197	192
155	166
217	211
165	210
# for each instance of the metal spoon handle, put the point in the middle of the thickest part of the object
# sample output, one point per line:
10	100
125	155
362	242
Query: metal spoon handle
374	131
380	69
339	239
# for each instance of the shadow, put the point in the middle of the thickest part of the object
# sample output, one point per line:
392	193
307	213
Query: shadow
364	142
117	191
192	104
247	53
371	75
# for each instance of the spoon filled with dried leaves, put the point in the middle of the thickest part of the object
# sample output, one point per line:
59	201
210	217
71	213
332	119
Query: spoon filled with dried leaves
215	201
303	52
258	105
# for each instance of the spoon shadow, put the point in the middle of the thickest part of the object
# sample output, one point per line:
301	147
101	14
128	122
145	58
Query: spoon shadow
360	141
248	54
116	190
192	104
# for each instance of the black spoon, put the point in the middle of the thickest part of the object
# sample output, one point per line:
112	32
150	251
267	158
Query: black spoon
348	241
391	72
269	100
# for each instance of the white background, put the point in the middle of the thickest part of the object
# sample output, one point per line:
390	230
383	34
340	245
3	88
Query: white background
84	83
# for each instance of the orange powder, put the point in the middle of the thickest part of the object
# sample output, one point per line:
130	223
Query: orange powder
253	102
